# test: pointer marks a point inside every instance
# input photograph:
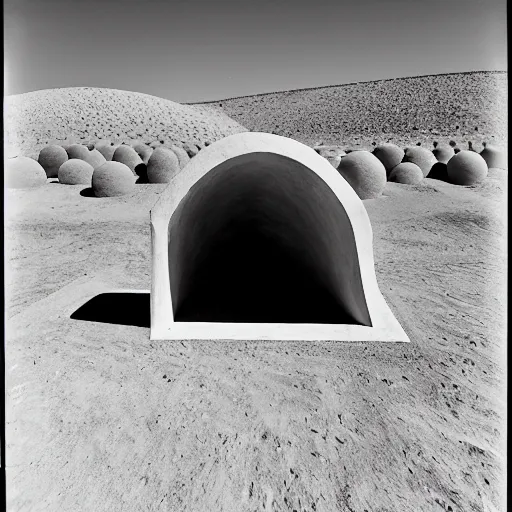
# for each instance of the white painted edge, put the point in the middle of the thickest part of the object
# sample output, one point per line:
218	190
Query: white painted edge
385	327
278	332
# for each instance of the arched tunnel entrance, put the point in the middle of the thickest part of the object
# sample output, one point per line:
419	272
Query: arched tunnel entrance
261	238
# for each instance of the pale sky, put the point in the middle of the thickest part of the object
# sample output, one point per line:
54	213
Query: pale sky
187	50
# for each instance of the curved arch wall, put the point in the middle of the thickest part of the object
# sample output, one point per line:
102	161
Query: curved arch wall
259	237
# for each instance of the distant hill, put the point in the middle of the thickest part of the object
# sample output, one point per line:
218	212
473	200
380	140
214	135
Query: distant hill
86	114
461	106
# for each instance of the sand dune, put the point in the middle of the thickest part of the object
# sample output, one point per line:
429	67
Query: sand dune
460	106
88	114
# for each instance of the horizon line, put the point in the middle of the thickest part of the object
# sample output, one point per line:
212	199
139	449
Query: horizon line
203	102
346	84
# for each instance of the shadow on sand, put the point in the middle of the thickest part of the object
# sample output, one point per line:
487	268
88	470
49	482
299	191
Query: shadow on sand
117	308
439	172
87	192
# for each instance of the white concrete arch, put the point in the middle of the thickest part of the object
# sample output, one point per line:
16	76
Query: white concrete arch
260	193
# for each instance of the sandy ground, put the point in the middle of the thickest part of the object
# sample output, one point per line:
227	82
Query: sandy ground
101	419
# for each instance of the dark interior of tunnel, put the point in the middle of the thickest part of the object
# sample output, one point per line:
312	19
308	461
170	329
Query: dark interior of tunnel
248	276
262	239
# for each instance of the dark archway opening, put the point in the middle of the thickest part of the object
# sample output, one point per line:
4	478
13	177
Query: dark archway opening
262	239
251	277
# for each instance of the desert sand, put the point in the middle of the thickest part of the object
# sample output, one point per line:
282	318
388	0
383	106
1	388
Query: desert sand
101	418
461	107
88	114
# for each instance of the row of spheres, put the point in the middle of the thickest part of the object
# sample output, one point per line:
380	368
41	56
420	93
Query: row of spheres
110	170
367	172
114	170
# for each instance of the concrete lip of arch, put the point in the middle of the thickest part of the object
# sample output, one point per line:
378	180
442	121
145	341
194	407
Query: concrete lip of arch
274	176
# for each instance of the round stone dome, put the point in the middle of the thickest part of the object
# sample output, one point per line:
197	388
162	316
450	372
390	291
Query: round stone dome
443	153
51	158
75	172
406	173
422	157
77	151
106	148
112	179
494	157
143	151
163	165
182	155
389	154
23	172
364	172
466	168
128	156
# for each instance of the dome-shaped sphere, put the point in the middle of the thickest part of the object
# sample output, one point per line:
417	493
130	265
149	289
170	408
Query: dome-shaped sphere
466	168
443	153
95	158
127	156
106	148
143	151
494	157
163	165
191	149
182	155
77	151
334	160
422	157
364	172
23	172
389	154
51	158
112	179
332	154
407	173
75	172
